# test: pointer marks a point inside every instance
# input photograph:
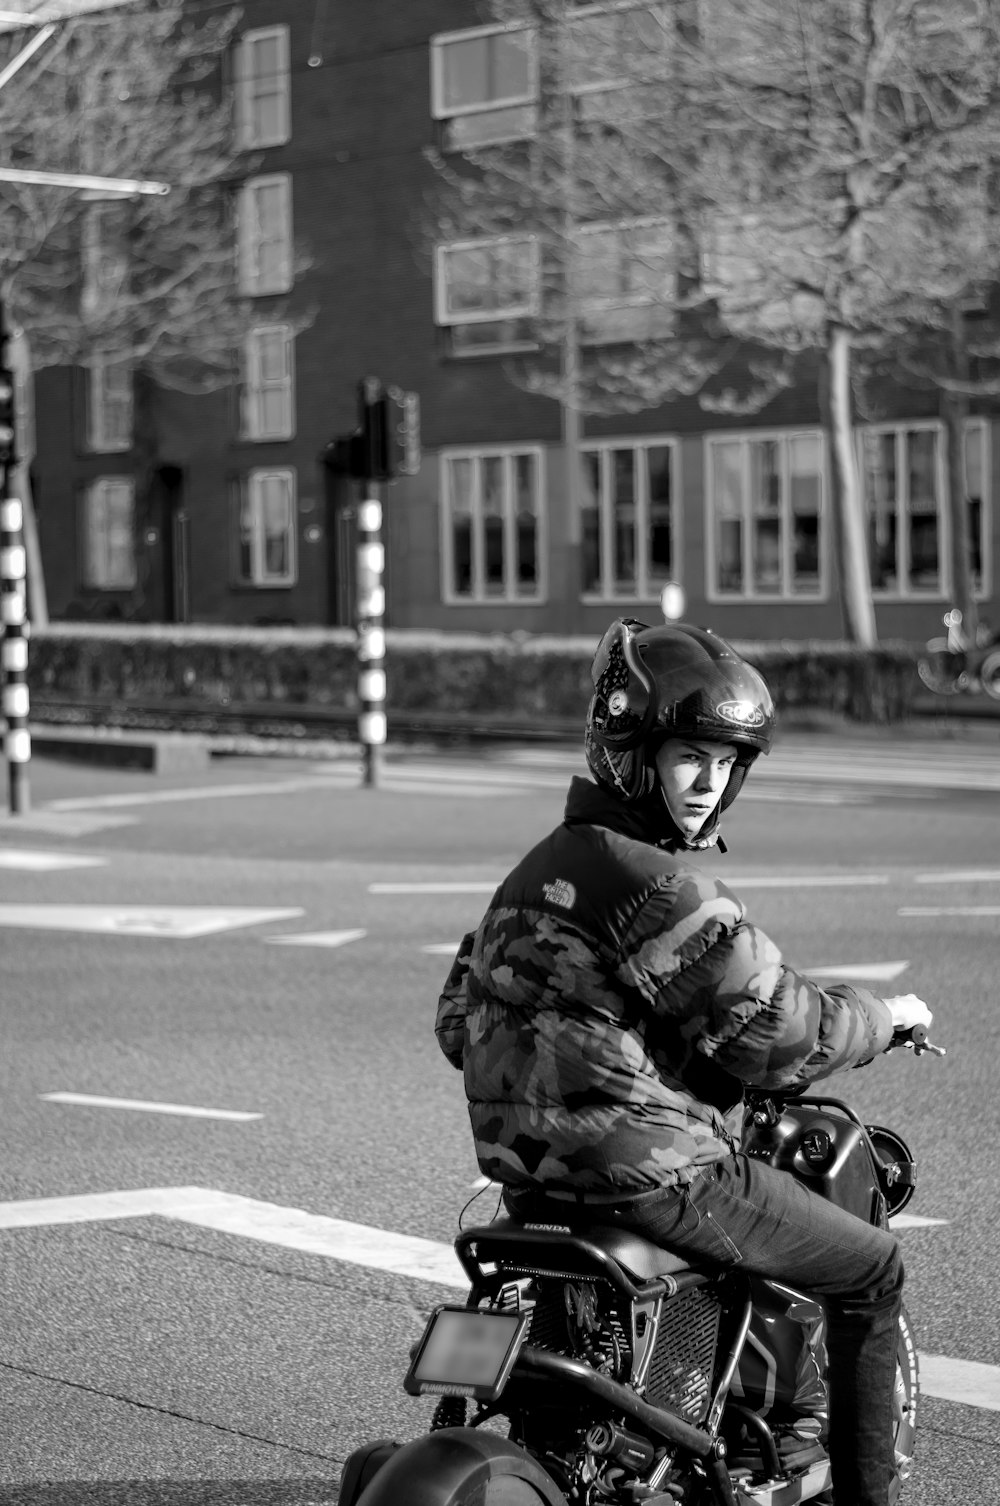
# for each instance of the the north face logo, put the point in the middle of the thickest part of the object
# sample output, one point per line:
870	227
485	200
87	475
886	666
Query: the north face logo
560	893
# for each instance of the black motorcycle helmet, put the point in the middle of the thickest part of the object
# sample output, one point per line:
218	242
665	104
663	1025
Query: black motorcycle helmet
671	681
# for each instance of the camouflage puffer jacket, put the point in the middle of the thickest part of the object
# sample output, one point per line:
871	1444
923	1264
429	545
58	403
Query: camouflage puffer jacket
612	1005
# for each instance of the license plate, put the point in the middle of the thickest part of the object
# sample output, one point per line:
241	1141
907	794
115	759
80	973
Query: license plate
465	1352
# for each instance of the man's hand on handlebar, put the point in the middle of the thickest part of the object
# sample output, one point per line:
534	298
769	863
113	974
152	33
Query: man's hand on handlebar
908	1010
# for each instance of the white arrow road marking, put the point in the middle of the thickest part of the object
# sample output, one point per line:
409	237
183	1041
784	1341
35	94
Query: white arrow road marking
31	860
144	1106
878	972
971	1383
913	911
317	938
178	923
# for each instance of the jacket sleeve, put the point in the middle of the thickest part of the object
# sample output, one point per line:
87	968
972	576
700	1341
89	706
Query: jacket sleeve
724	984
453	1003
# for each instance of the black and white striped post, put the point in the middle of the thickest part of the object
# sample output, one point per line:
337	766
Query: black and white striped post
371	638
14	653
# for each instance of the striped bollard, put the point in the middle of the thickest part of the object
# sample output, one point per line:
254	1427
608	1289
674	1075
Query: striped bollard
14	653
371	638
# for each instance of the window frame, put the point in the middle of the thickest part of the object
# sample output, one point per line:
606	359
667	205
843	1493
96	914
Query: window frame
96	431
584	11
88	495
479	596
945	589
640	443
442	113
248	245
252	393
786	596
529	310
244	98
244	496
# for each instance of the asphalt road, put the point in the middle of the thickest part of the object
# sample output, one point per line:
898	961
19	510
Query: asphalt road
162	1357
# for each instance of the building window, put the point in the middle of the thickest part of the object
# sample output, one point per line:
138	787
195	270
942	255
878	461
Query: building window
765	504
486	293
492	526
268	395
628	514
109	406
484	85
618	47
263	112
266	529
903	472
625	280
265	235
108	534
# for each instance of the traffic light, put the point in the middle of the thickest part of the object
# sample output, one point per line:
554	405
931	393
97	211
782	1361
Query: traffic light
7	427
390	428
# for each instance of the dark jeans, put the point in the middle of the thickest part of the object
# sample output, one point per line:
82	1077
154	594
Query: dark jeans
741	1212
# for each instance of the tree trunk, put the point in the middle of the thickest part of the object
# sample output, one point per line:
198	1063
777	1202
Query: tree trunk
955	411
851	552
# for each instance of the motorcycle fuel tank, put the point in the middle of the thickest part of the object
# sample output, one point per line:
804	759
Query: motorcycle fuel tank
827	1152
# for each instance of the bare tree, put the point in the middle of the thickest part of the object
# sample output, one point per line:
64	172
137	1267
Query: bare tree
795	152
143	286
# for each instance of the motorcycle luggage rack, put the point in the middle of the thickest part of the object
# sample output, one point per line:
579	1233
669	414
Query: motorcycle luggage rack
634	1265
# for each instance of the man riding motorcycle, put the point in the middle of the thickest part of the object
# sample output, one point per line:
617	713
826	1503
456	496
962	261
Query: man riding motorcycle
616	999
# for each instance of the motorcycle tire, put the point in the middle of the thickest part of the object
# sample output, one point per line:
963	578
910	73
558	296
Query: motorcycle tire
989	674
456	1465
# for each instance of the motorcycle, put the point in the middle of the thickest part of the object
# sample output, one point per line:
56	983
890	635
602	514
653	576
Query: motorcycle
591	1366
953	664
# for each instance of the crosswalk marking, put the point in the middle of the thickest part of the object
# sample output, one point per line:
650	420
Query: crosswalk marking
969	1382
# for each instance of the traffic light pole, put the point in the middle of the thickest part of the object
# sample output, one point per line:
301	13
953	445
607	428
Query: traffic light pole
371	637
14	651
13	600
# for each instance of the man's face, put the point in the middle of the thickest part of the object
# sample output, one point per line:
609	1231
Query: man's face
693	775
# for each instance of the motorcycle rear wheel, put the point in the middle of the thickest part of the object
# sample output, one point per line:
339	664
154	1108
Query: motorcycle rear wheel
453	1466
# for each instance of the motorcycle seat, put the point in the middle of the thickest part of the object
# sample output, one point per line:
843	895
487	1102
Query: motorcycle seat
639	1258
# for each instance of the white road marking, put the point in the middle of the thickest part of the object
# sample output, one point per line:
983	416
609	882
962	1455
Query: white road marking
317	938
805	880
32	860
176	922
960	876
144	1106
194	792
965	1381
377	1249
915	1221
879	972
912	912
64	824
441	948
466	886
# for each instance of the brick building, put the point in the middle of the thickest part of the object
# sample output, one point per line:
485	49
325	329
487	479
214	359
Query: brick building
336	106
